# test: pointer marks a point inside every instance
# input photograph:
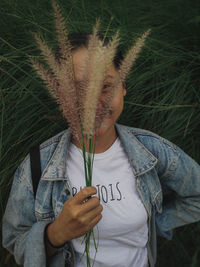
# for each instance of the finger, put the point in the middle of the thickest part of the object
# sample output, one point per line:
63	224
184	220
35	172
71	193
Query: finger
84	194
92	214
95	221
90	204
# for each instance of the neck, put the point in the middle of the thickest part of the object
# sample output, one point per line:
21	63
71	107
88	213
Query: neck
103	141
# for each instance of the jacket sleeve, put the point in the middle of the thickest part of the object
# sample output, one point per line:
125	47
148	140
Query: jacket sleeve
180	181
22	233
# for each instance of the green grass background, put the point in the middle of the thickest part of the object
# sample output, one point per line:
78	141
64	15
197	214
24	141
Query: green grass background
163	88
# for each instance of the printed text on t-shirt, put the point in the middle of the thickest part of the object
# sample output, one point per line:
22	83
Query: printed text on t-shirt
105	193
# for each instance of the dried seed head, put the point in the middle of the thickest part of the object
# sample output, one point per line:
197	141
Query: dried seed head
131	56
80	102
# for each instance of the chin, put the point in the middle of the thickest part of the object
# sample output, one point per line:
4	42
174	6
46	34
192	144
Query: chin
106	127
107	124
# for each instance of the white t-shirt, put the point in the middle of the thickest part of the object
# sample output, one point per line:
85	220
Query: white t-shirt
122	233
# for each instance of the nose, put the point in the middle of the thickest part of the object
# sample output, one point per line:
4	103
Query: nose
100	105
103	102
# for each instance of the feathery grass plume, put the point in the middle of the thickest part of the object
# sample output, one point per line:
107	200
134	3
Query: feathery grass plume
131	56
109	55
65	47
94	77
58	92
93	41
99	59
63	71
54	65
67	68
48	55
62	33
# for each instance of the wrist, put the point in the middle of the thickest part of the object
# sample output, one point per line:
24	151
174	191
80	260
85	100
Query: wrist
51	236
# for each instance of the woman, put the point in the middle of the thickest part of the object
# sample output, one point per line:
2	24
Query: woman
134	171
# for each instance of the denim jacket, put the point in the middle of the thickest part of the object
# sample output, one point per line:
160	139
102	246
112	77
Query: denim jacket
161	169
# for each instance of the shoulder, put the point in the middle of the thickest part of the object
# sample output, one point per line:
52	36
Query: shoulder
47	148
52	141
148	138
147	145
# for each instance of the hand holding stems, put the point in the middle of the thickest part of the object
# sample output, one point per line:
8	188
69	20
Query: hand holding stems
78	216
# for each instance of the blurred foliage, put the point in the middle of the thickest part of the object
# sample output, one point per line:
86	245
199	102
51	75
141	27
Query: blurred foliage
163	89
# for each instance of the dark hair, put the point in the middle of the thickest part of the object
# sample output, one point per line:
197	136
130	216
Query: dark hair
79	40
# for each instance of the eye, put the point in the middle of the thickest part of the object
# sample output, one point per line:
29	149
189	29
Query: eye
106	88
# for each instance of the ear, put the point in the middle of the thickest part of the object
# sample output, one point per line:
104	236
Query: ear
124	90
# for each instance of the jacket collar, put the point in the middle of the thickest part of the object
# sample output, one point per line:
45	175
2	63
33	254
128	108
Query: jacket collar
141	159
56	168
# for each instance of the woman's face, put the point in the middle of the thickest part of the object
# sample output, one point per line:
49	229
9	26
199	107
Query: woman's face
116	106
